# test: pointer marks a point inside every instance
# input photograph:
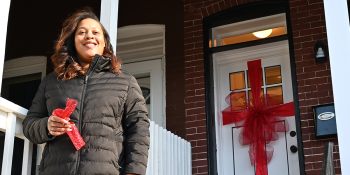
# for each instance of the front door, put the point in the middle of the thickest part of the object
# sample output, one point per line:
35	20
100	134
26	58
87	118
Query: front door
230	74
149	75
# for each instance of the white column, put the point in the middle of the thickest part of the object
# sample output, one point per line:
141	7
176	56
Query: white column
4	13
338	32
9	143
109	19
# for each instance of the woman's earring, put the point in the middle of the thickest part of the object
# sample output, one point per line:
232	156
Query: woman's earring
72	59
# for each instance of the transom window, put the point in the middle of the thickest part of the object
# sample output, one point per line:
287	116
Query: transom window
271	85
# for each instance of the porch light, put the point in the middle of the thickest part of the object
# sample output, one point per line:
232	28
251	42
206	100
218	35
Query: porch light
320	51
263	33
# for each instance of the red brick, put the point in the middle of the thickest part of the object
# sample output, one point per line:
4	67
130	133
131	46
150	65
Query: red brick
202	156
189	46
192	17
317	165
303	51
316	81
194	75
216	8
193	40
200	104
318	24
202	170
309	19
222	5
228	3
194	63
299	15
308	102
297	3
189	81
196	136
194	99
305	63
307	88
308	7
302	39
195	124
200	92
306	75
308	130
199	150
301	26
319	36
326	100
324	86
195	111
210	10
312	31
315	68
194	28
189	69
308	116
311	144
191	131
323	73
202	129
317	94
199	163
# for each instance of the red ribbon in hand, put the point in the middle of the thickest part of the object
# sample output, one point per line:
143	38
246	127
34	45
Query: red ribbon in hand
260	121
65	114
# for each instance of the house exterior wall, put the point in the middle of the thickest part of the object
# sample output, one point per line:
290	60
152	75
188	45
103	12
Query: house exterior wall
314	78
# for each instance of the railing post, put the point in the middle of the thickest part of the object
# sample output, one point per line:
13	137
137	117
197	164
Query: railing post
328	162
27	157
9	143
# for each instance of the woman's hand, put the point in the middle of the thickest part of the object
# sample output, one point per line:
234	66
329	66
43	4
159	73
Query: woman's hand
58	126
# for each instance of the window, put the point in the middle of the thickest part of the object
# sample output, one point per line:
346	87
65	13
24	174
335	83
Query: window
271	85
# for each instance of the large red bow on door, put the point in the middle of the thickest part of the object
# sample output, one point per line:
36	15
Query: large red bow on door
260	121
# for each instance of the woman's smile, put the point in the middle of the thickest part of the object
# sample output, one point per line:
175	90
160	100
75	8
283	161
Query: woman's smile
89	41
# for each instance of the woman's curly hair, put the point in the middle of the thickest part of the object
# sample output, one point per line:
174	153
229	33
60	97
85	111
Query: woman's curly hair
65	51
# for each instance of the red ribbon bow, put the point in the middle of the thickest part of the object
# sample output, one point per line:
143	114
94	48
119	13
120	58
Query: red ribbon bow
260	121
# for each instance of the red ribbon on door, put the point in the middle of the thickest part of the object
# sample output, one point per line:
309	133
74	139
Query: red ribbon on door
260	121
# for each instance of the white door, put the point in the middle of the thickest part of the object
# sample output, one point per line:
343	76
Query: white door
230	73
149	75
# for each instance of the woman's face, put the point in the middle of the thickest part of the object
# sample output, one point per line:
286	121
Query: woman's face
89	40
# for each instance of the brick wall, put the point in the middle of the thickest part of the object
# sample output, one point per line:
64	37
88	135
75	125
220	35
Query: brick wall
314	79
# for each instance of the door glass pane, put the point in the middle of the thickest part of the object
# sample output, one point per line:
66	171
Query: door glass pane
237	81
251	96
238	101
275	95
268	33
273	75
144	81
262	83
22	89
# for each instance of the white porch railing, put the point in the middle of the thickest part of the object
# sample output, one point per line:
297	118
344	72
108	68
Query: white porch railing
168	154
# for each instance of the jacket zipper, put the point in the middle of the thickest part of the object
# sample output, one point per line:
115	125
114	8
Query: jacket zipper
82	106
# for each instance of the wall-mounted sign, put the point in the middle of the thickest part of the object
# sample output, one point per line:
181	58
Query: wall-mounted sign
325	121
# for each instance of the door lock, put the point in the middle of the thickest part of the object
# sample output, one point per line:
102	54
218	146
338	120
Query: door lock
294	149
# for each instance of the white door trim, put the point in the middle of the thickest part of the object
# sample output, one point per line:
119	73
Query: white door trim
154	67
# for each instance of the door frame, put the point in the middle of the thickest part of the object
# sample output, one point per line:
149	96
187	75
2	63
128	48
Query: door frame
236	14
154	67
222	59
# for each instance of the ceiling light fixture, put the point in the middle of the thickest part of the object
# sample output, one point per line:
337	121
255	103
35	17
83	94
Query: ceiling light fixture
263	33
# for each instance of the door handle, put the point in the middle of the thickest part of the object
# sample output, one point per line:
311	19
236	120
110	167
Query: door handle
294	149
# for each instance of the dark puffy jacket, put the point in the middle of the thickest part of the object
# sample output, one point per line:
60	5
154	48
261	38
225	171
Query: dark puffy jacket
111	116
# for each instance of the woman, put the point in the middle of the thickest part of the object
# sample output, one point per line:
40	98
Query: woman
111	115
